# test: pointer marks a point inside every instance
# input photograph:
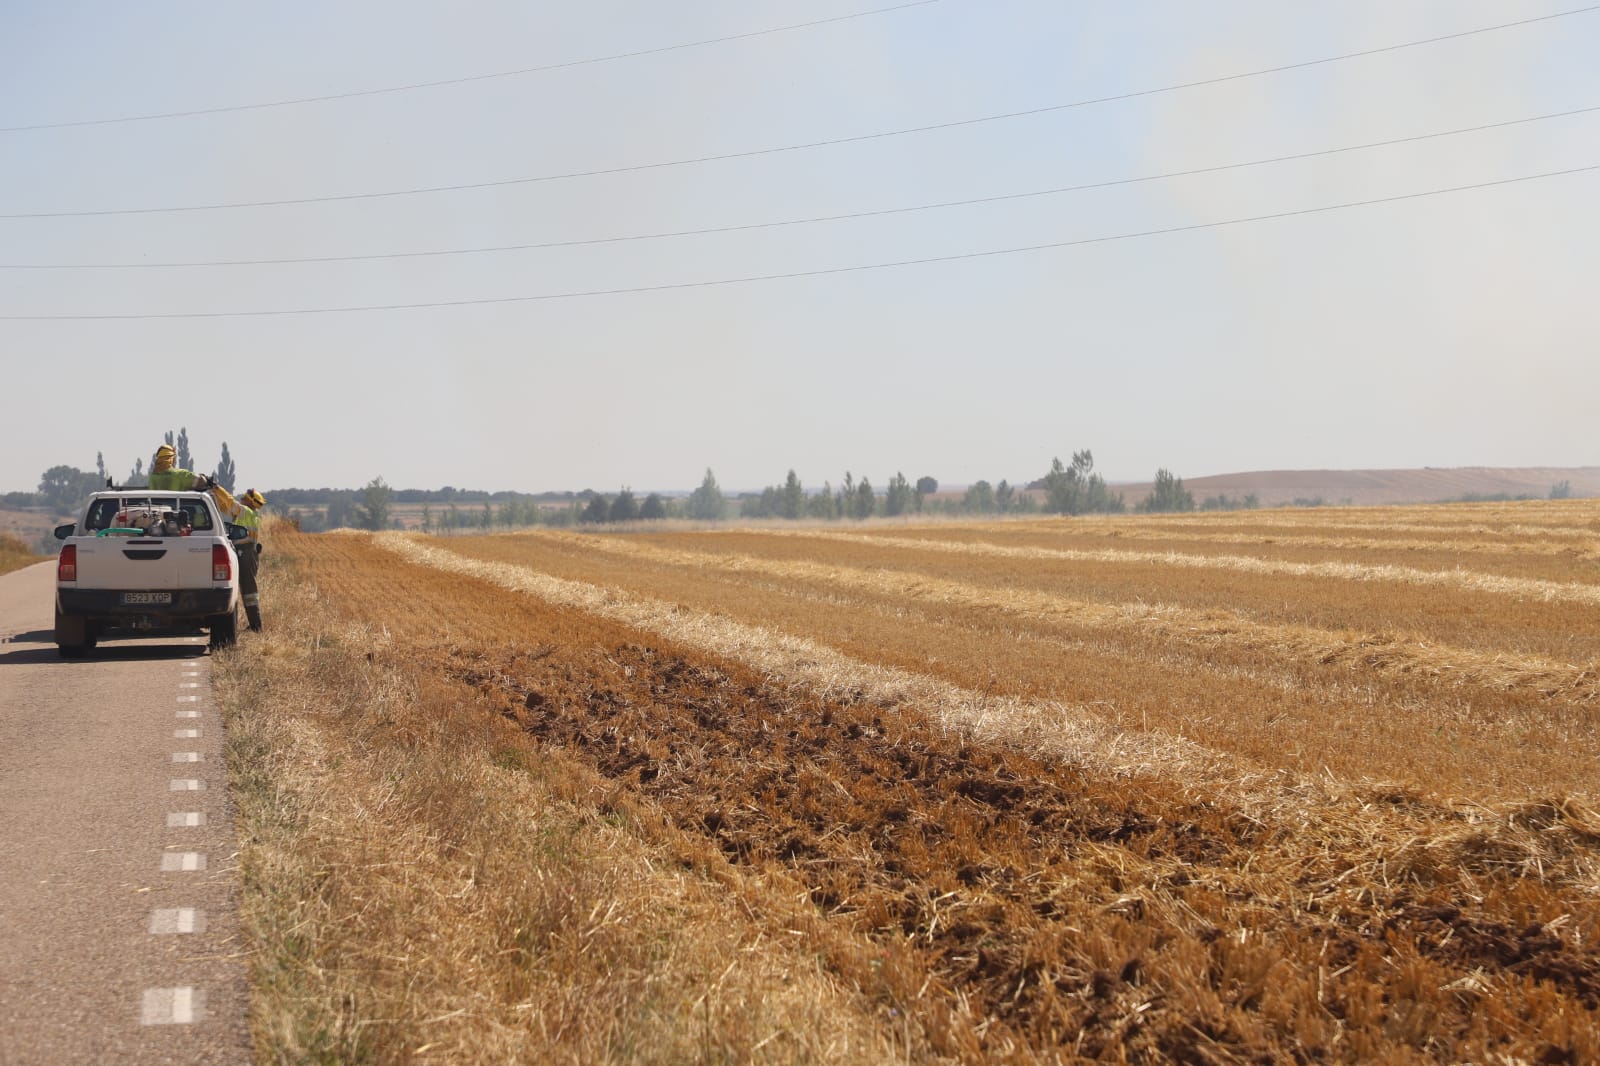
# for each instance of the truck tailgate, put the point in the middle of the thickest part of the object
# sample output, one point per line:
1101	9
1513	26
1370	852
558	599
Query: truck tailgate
144	563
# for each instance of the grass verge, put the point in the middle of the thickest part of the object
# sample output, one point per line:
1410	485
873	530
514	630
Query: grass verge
14	554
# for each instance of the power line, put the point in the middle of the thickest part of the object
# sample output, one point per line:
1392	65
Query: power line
465	79
751	153
1112	183
792	275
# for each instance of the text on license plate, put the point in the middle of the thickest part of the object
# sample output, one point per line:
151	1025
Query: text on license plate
147	597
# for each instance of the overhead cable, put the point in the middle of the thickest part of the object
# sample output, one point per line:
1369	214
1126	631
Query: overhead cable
1002	197
751	153
796	274
465	79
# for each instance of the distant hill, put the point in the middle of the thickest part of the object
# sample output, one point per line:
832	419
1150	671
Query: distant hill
1430	484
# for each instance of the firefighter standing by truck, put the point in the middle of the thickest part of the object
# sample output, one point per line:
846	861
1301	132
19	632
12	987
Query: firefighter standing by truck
245	512
166	474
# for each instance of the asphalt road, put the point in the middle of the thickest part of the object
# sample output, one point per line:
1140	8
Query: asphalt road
119	936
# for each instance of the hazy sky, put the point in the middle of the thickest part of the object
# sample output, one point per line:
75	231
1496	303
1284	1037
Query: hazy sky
1451	330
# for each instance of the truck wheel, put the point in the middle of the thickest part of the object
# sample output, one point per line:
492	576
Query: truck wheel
224	630
72	635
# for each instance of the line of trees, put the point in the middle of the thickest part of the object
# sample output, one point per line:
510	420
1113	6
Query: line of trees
1067	489
63	489
852	499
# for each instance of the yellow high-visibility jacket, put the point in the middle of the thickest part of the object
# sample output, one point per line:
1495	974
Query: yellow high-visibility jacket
237	513
175	480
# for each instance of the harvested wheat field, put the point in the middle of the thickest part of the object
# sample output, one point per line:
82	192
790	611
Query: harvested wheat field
1308	786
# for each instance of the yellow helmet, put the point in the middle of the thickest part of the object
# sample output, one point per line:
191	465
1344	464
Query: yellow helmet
166	458
254	500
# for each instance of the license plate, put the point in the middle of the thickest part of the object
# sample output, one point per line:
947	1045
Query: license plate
147	597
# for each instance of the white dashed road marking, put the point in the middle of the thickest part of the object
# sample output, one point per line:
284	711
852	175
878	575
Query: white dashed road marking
189	684
165	921
186	734
172	1006
187	756
188	714
188	699
186	784
185	819
182	861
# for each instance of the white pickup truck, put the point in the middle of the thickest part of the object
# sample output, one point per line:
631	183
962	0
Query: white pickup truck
152	562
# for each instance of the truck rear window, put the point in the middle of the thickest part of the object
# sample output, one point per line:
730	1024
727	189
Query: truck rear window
103	513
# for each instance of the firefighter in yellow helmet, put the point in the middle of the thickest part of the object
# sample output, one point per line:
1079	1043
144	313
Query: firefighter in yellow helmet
245	511
166	474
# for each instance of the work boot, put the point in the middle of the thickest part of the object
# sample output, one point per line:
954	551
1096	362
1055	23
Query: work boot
254	615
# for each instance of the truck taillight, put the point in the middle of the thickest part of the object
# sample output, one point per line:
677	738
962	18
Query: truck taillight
67	568
221	565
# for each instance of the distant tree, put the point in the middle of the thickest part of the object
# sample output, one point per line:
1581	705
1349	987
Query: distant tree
1005	497
1077	489
225	471
823	505
1561	490
866	501
845	500
768	504
1167	495
706	503
654	507
899	497
341	512
137	479
100	467
979	498
452	518
427	519
1224	502
793	504
624	508
372	512
186	457
486	517
518	511
597	511
63	488
927	485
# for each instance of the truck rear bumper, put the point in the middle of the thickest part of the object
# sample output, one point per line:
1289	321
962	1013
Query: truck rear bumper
107	605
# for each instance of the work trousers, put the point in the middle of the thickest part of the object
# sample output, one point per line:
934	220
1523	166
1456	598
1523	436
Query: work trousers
249	562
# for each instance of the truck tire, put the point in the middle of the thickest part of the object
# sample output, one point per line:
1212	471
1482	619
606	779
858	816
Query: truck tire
72	635
224	630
